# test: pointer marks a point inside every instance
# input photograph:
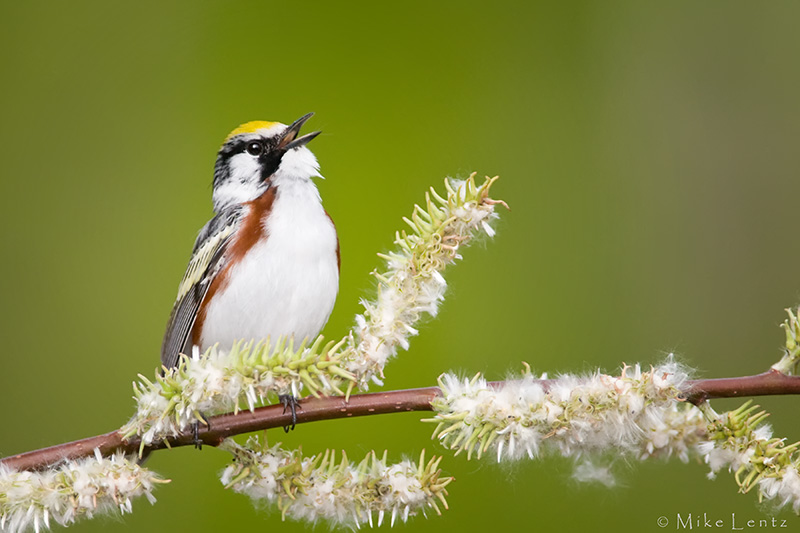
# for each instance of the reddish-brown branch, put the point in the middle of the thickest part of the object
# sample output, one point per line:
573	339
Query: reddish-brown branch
333	407
769	383
226	425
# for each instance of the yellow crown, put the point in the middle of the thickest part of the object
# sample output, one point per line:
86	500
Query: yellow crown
250	127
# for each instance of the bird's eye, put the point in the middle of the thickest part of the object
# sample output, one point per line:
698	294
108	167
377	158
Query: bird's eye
255	148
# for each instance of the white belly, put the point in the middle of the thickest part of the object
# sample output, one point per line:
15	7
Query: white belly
285	285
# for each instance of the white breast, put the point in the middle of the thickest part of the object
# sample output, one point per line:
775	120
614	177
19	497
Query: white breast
286	285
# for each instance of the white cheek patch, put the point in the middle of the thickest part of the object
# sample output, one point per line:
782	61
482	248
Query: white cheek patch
244	168
243	183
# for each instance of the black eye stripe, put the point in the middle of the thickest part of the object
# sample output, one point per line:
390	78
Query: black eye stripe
239	146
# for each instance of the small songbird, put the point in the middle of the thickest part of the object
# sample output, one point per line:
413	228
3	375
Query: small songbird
268	263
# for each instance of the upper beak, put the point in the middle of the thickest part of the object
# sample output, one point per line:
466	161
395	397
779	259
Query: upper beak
290	139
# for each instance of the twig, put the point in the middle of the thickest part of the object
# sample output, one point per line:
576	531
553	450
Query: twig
333	407
771	383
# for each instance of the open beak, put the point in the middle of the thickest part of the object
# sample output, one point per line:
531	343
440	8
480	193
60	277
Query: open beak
290	139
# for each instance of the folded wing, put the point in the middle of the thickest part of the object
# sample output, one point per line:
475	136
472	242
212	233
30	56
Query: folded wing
208	258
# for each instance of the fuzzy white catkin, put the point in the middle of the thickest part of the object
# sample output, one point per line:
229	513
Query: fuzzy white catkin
412	284
783	490
341	493
635	412
32	501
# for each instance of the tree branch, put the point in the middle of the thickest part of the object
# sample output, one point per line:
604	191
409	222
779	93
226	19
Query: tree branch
333	407
770	383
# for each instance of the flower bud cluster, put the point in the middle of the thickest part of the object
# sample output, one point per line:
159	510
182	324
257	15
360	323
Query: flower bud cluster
411	283
320	488
788	363
71	490
217	382
635	412
740	442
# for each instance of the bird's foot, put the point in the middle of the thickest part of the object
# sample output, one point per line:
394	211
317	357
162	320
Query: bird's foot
290	402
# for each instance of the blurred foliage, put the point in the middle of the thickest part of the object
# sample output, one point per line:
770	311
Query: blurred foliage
648	152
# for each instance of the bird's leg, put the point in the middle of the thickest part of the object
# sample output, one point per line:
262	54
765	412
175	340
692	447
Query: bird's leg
289	401
196	430
196	435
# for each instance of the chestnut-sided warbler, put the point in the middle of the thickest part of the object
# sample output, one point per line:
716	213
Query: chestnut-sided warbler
267	264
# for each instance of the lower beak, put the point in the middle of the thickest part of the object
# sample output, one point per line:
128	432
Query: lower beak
290	139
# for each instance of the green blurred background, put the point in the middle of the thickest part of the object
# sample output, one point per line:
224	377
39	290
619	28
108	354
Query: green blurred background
649	154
